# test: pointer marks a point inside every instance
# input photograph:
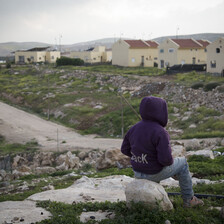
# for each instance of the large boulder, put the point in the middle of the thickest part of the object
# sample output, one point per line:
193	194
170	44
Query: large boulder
150	193
192	144
111	158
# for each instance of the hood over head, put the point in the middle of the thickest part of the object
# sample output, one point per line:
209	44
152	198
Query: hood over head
154	109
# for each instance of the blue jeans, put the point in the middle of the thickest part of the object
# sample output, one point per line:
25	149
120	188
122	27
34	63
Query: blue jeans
180	169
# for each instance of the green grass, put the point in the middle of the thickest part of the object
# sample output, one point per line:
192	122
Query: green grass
122	70
194	79
206	121
137	213
15	148
203	167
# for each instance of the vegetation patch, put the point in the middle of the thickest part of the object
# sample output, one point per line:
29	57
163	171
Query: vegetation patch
204	167
136	213
123	70
15	148
195	80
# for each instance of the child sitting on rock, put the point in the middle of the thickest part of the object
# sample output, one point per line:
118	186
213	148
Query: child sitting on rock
147	143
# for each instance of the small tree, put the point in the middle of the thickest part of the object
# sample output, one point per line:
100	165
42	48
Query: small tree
8	64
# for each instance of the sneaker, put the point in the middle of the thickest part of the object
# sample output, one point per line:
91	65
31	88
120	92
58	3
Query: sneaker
193	202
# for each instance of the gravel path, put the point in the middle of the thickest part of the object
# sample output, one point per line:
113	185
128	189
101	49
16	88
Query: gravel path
20	127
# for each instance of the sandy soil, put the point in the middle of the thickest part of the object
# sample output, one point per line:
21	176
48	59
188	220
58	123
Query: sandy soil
20	127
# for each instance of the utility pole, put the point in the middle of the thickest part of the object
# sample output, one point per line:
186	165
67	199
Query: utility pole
60	36
57	140
48	101
177	29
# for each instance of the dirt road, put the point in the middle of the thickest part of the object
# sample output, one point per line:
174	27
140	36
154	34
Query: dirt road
20	127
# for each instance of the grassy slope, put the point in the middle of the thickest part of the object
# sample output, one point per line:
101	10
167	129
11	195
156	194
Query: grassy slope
28	87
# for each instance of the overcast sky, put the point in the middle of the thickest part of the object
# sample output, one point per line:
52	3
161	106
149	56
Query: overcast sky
73	21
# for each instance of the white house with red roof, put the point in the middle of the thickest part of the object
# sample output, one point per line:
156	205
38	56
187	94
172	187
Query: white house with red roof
182	51
134	53
215	56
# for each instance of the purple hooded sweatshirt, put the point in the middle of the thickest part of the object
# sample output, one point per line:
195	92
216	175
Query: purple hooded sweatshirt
147	142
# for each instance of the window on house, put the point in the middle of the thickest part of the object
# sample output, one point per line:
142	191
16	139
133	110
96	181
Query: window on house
171	50
213	64
32	58
21	59
133	60
217	50
205	50
40	58
161	51
155	58
162	63
52	57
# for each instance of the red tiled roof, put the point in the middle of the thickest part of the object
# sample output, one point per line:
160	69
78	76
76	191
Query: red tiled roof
204	43
152	43
187	43
136	43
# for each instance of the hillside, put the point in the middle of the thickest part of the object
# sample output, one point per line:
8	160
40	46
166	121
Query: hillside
6	49
87	99
205	36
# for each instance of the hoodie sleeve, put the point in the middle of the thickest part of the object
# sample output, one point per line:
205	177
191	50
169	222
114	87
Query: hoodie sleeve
163	148
126	147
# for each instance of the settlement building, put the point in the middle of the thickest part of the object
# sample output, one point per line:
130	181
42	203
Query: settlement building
38	54
96	54
215	56
134	53
182	51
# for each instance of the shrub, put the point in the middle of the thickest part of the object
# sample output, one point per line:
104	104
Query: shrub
197	85
8	65
210	86
69	61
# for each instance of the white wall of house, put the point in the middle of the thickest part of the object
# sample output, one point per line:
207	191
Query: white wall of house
120	54
167	53
215	56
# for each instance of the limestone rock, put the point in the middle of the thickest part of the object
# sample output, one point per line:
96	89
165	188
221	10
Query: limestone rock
23	210
3	174
45	169
148	192
17	161
204	152
110	159
83	155
68	160
178	151
192	144
62	167
97	216
222	142
24	168
17	174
